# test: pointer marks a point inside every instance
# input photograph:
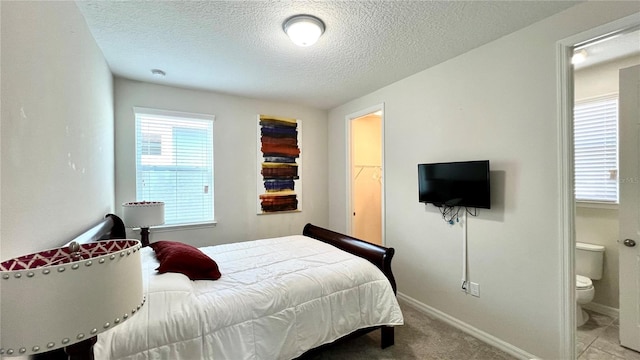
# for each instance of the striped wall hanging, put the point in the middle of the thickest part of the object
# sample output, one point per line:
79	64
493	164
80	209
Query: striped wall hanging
279	165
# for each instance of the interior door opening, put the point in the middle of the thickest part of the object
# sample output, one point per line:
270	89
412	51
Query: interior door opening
366	176
597	218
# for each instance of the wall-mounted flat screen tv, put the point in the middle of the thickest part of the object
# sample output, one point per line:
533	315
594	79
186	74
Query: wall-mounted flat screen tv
463	183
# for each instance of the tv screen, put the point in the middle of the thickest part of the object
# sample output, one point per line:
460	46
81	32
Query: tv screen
464	183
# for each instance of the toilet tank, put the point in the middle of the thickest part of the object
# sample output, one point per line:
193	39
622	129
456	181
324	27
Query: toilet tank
589	260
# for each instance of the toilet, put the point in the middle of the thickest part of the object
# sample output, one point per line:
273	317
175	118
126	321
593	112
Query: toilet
589	265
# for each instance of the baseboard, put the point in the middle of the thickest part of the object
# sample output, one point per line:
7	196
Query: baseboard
477	333
602	309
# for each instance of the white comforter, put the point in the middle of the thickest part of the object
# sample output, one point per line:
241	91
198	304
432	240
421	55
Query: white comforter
276	299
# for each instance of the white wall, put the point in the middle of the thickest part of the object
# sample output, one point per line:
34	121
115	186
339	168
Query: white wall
600	225
57	127
496	102
235	154
56	132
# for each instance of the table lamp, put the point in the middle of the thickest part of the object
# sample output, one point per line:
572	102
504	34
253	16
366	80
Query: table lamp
65	297
143	215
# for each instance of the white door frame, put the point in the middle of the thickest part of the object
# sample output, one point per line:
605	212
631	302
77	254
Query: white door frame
349	202
566	203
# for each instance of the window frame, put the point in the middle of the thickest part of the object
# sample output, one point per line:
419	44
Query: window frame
172	115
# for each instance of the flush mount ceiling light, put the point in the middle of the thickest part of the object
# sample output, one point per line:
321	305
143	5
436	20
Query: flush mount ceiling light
303	30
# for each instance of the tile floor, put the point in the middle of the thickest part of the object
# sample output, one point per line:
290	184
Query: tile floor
598	340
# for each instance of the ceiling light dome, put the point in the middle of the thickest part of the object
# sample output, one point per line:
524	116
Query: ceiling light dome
303	30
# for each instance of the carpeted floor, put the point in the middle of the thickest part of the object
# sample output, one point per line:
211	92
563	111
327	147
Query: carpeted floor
421	337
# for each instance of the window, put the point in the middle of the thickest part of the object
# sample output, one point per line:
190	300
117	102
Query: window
151	144
174	163
596	150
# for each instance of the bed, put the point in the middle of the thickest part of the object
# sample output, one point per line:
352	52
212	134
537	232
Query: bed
279	298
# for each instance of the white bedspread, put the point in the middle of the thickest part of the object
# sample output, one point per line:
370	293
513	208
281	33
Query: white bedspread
276	299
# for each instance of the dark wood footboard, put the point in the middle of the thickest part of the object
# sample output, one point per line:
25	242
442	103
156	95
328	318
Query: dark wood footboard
379	256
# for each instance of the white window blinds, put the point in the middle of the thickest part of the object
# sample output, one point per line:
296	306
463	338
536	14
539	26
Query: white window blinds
596	149
174	164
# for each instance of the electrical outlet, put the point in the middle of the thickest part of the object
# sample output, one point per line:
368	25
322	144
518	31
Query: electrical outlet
474	289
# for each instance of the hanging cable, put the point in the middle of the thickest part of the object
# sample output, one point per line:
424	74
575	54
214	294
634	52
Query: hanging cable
449	213
464	252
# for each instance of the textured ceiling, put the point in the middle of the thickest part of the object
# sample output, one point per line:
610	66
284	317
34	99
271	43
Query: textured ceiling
239	48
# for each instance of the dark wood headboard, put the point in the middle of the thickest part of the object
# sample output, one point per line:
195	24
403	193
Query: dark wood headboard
111	227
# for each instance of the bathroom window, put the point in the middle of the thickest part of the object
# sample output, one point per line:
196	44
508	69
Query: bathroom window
596	150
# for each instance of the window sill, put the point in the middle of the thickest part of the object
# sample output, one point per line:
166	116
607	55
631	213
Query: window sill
597	205
177	227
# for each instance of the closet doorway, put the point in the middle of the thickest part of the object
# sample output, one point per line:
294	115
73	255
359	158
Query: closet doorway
366	205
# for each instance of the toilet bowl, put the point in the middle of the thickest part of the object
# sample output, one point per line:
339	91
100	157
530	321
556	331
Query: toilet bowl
584	294
589	266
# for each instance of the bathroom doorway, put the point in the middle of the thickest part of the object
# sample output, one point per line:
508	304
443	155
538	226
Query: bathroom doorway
365	169
596	155
595	219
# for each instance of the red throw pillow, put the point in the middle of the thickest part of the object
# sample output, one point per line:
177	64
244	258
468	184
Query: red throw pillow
183	258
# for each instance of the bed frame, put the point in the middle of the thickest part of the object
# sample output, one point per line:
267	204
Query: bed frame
112	227
379	256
